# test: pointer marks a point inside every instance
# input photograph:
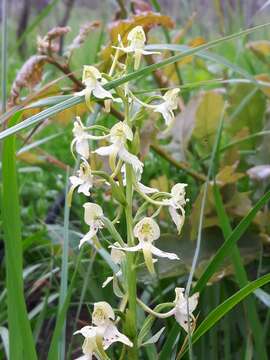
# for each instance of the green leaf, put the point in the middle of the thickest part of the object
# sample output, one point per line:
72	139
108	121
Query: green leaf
241	277
21	342
251	115
220	311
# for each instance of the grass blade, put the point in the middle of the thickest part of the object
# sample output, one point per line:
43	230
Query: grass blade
53	350
4	55
64	270
241	277
21	343
220	311
225	249
132	76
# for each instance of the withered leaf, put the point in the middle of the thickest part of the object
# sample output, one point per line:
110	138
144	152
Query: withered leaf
28	76
50	42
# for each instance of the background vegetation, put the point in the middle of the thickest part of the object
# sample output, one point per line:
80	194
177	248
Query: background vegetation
223	156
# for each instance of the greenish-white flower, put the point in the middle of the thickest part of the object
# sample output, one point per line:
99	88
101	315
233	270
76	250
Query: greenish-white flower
93	215
170	103
102	333
136	44
83	180
147	231
119	134
176	205
94	82
182	312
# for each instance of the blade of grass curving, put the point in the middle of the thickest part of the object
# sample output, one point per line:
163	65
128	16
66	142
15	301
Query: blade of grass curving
225	249
38	19
220	311
64	271
37	143
204	55
132	76
241	277
53	350
4	55
21	342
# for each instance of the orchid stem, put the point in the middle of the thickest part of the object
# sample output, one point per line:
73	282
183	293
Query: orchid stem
131	315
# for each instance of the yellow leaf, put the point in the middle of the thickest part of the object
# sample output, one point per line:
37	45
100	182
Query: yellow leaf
261	49
265	78
228	175
208	115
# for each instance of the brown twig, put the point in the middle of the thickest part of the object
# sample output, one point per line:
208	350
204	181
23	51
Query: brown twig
180	165
66	70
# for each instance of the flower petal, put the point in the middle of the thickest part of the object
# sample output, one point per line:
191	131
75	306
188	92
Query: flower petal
100	93
131	248
105	150
88	236
130	159
146	189
75	180
177	218
112	334
147	254
84	188
163	254
82	148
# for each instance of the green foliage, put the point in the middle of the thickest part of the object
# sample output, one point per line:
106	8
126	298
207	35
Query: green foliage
42	266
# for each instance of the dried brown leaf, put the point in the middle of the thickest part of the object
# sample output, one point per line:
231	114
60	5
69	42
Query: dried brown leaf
28	77
50	43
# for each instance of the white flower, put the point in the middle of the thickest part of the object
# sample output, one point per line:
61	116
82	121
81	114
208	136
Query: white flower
103	333
93	81
83	181
117	256
119	135
80	139
180	310
176	205
166	108
147	231
136	44
93	215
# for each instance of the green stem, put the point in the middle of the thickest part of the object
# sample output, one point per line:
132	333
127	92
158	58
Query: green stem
131	314
131	317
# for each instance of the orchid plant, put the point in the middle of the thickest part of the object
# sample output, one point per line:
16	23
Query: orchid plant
121	148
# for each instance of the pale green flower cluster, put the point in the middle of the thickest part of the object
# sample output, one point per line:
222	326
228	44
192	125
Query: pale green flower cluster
125	175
